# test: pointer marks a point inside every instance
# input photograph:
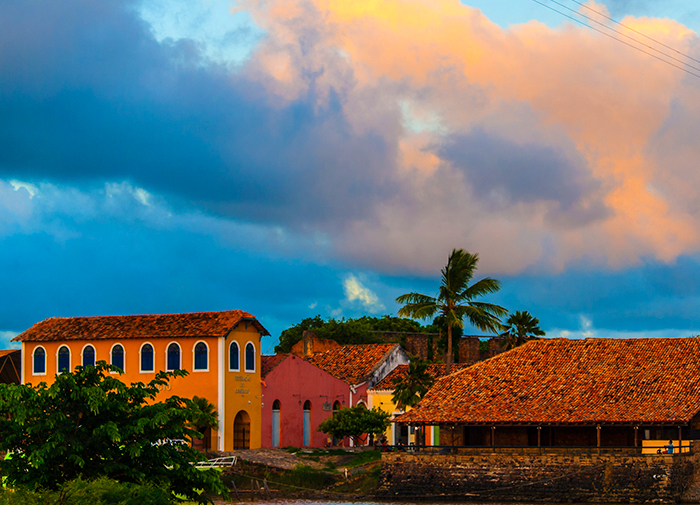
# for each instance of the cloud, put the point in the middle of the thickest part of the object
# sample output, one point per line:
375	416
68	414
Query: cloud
5	340
355	291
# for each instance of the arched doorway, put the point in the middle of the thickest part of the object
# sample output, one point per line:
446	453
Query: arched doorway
241	431
307	423
276	412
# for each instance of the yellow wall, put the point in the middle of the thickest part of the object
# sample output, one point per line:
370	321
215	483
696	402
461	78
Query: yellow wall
236	390
383	401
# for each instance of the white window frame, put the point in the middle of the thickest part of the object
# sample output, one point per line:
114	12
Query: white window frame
167	369
70	356
111	349
194	356
45	360
141	370
245	358
82	351
229	356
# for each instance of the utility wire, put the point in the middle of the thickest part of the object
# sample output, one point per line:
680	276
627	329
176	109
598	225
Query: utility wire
617	39
629	36
635	31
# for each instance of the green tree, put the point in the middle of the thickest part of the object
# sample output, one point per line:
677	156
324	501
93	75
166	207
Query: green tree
355	421
520	328
456	299
89	424
409	391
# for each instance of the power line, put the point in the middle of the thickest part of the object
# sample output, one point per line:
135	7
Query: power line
617	39
630	37
633	30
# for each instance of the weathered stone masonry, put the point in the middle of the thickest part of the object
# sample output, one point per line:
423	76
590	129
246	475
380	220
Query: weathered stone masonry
534	477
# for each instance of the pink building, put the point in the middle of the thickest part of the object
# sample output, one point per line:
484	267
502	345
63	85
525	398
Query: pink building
300	392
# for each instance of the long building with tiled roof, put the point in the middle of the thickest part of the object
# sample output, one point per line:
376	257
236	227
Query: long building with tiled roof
647	384
436	371
220	350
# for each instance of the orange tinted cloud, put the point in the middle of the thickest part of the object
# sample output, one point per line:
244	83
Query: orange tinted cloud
568	90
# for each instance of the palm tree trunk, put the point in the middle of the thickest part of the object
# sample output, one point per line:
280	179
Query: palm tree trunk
448	358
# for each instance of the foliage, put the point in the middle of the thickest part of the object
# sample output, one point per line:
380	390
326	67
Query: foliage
355	422
409	391
520	328
364	330
206	414
101	491
89	424
456	299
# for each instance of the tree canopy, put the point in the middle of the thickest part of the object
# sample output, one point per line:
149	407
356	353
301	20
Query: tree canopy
456	299
89	424
355	422
520	328
409	390
363	330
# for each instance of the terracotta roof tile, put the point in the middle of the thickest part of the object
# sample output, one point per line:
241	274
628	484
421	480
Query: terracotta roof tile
269	362
352	363
559	381
193	324
401	372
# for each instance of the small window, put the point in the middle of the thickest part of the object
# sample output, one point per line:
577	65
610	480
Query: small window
249	357
39	361
147	358
88	356
118	356
63	359
201	361
173	357
234	357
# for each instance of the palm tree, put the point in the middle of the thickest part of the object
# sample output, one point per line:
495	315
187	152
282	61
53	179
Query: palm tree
410	390
456	299
520	327
206	417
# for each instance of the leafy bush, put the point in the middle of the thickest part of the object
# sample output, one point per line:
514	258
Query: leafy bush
100	491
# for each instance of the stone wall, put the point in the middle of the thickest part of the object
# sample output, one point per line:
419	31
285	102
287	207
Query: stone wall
476	475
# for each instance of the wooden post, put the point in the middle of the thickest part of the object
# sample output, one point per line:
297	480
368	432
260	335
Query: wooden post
636	430
235	490
680	440
539	436
598	434
493	436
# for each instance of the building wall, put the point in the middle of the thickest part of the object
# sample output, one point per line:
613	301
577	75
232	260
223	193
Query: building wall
293	382
521	477
200	383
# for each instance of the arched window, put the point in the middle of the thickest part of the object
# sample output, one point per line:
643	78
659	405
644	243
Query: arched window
234	360
249	357
118	356
173	357
147	364
88	355
201	352
63	359
307	423
39	361
336	407
276	426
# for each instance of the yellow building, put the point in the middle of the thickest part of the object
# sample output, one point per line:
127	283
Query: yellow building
220	350
380	396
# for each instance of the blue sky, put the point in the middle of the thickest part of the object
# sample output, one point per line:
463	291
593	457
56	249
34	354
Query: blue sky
300	157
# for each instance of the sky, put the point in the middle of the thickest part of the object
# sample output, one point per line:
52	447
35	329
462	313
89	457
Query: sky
300	157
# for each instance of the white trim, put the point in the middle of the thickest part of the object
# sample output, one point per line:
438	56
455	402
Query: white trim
82	351
245	358
222	386
45	360
111	350
23	368
228	357
153	350
58	370
194	355
166	355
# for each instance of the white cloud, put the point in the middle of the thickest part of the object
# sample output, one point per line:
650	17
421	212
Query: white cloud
31	188
356	291
5	337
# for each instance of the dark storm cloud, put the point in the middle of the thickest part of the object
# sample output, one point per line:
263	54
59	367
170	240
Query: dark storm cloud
87	93
502	173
